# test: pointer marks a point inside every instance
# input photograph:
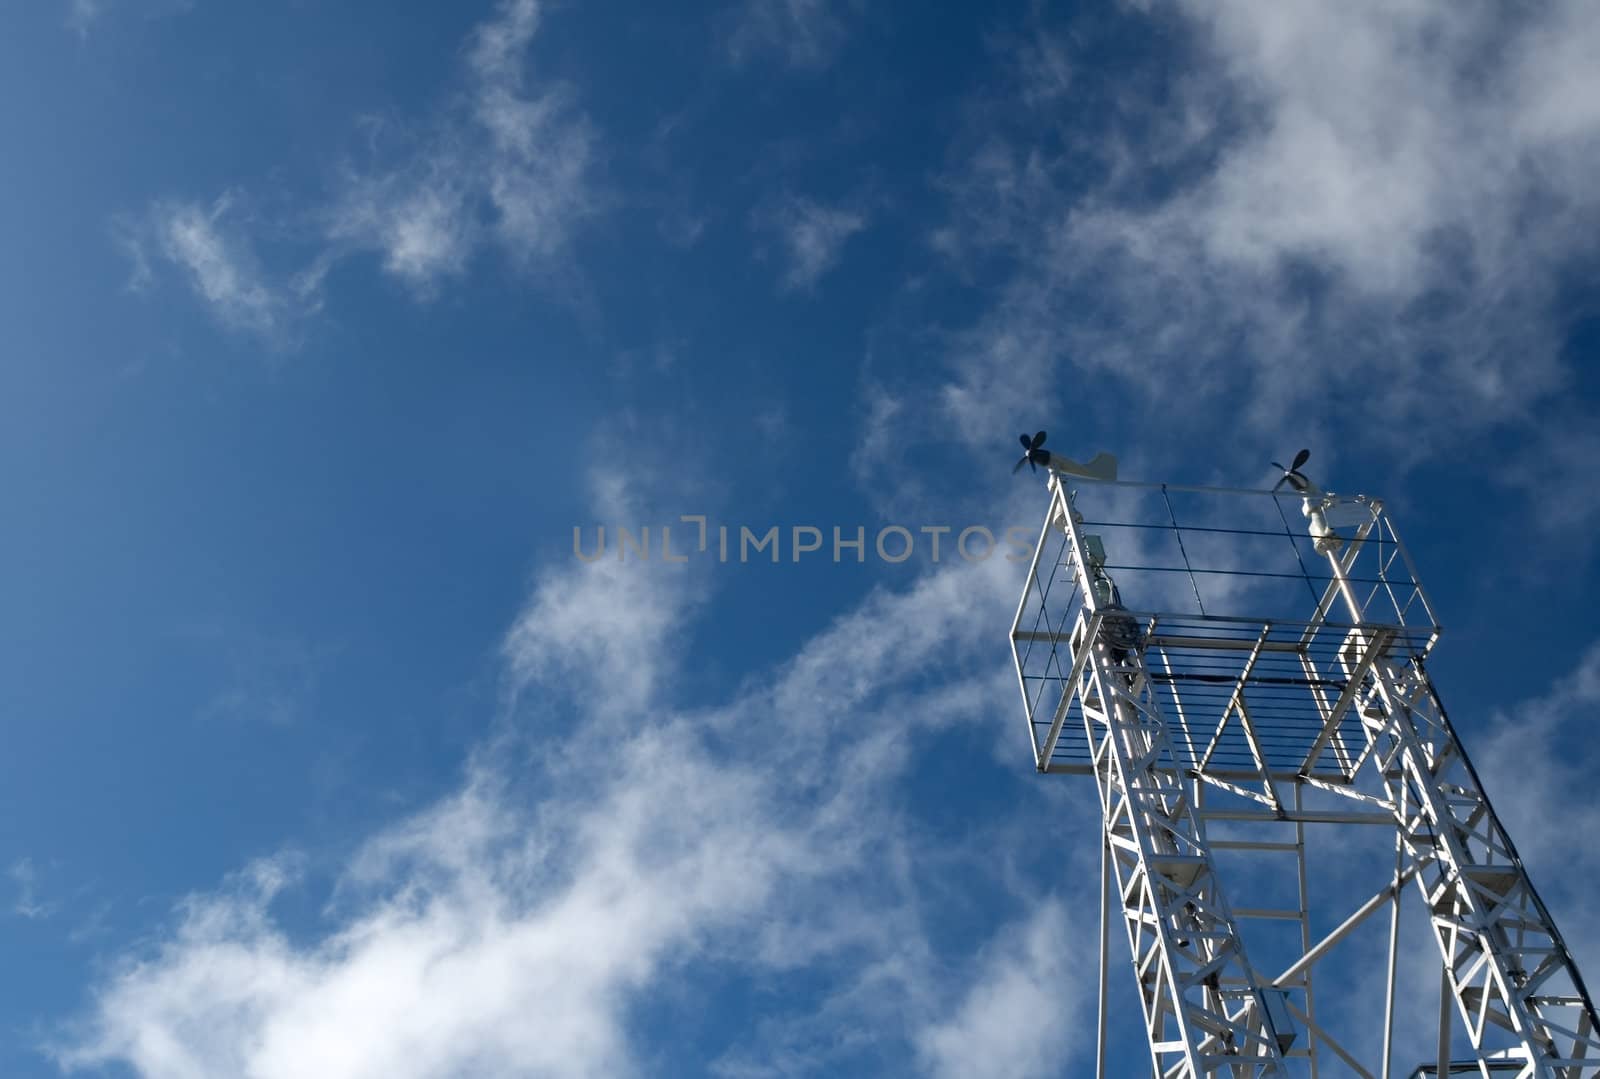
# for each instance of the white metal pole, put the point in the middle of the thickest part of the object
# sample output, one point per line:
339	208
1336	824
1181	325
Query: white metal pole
1394	952
1446	1014
1105	948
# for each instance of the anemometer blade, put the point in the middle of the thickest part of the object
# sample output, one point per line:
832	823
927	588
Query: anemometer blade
1018	466
1292	474
1038	440
1025	443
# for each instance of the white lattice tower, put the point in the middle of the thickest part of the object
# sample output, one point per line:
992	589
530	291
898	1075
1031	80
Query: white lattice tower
1242	734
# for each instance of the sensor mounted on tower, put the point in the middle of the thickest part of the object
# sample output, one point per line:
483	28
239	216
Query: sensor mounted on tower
1102	466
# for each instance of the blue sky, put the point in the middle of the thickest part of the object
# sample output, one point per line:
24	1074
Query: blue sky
326	325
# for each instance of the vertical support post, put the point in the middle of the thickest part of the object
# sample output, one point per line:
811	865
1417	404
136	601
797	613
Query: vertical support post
1305	921
1446	1015
1394	951
1105	954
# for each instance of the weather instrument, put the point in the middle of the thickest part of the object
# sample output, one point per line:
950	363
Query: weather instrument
1102	466
1325	512
1293	476
1290	829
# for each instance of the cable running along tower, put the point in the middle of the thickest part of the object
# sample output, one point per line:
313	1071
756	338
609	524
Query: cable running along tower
1311	879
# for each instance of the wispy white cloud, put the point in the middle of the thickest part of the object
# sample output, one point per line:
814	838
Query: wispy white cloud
540	152
506	162
998	1028
1554	470
25	876
812	235
1045	68
219	269
84	15
209	247
509	929
606	626
1537	763
875	448
510	164
133	239
457	960
81	14
1370	204
418	217
806	33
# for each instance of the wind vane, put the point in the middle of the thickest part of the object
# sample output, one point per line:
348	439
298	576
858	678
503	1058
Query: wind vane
1101	467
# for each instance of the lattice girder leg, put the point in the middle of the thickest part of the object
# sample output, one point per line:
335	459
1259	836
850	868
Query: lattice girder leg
1203	1003
1505	962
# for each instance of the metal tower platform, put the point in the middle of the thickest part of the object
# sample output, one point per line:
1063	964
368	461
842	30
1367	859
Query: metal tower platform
1244	676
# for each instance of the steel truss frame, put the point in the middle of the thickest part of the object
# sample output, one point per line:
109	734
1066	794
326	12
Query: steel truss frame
1205	1010
1366	741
